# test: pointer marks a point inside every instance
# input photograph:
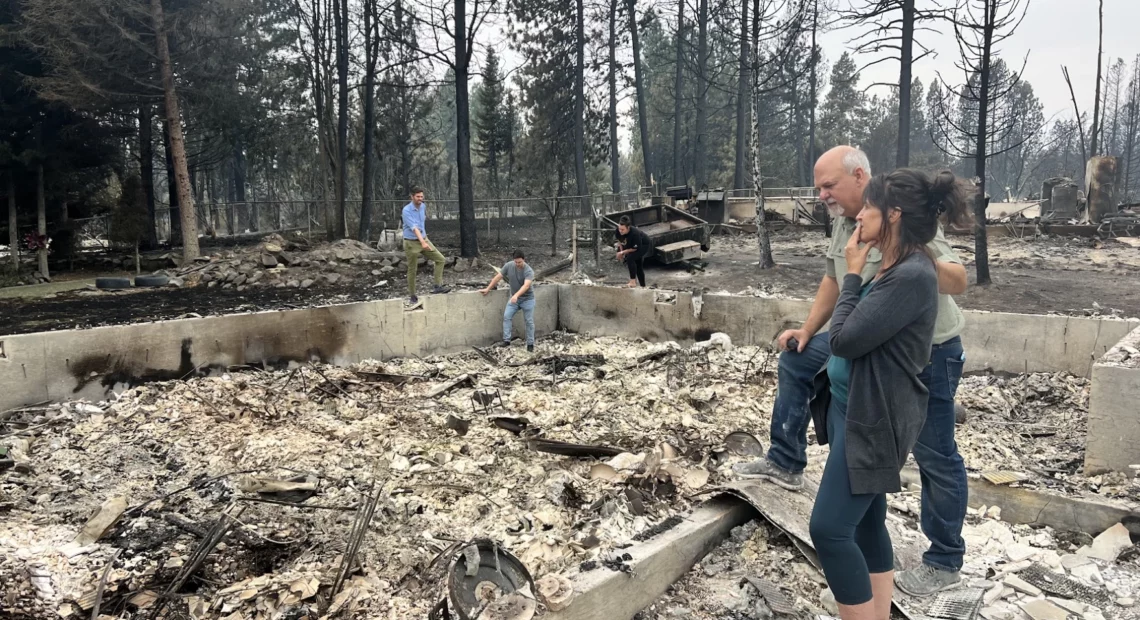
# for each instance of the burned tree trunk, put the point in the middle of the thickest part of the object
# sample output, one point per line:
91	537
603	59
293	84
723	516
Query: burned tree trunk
767	261
340	15
177	144
981	242
906	62
41	222
677	175
700	163
580	101
639	87
615	172
146	171
742	106
13	233
1096	98
468	240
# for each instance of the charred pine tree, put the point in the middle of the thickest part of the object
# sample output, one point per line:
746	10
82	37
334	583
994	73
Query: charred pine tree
980	27
615	172
678	175
639	88
777	23
890	35
371	10
1096	126
743	106
700	155
340	21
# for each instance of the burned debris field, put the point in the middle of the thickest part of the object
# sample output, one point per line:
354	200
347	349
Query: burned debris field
321	491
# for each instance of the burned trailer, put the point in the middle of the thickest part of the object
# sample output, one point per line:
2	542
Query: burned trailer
676	235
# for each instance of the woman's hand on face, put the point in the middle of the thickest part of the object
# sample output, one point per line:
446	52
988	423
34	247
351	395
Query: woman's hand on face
856	256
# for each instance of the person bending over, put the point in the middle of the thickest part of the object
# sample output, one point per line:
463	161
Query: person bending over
880	339
633	247
519	277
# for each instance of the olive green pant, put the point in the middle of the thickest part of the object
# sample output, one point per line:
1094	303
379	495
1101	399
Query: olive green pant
413	250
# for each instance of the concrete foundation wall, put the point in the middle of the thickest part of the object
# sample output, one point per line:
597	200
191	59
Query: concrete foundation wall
1114	417
91	363
994	341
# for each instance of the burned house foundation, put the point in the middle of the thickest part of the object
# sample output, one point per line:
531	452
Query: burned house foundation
382	379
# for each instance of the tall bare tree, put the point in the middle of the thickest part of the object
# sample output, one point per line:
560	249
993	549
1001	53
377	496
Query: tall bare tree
743	103
450	39
639	88
891	36
1096	128
611	77
700	157
678	175
980	27
580	99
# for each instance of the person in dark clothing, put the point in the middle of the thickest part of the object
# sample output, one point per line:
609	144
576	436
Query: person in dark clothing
633	247
880	339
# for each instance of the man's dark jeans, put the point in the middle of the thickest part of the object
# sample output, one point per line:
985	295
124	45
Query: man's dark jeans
943	473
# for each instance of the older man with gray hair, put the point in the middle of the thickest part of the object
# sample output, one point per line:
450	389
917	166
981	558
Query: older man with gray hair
841	175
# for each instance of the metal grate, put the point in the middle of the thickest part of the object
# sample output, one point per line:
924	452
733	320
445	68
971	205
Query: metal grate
961	604
777	600
1065	586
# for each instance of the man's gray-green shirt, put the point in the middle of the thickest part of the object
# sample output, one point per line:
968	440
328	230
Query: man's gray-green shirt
516	277
950	318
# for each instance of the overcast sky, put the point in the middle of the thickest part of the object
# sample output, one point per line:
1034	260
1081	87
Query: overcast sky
1054	32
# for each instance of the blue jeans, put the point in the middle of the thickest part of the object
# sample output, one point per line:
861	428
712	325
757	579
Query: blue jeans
943	473
849	531
527	306
944	486
790	416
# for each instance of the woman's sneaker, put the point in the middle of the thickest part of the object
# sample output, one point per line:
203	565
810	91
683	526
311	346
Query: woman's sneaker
764	469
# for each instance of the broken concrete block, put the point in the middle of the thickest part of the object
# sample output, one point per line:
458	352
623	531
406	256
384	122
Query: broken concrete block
1019	552
268	260
1088	573
1069	562
1021	585
1000	611
1075	607
993	595
1126	601
306	283
1042	609
1110	543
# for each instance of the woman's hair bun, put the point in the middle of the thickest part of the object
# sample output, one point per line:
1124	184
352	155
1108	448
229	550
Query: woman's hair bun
942	187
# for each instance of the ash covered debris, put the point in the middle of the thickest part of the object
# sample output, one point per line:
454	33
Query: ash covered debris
285	462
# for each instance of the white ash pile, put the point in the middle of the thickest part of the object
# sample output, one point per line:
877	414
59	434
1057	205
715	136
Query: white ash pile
1034	427
274	467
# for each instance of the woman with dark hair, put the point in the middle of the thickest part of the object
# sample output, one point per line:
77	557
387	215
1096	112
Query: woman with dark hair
880	338
633	247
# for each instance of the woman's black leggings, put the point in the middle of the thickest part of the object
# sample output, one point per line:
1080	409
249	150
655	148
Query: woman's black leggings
636	264
849	531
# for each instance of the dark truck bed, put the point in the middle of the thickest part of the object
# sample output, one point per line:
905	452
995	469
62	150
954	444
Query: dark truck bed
676	235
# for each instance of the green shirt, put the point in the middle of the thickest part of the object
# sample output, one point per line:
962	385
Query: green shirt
950	318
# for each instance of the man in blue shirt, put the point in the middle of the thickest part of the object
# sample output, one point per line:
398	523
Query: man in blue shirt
519	277
416	243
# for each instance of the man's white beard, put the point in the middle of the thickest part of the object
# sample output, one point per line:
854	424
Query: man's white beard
834	209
